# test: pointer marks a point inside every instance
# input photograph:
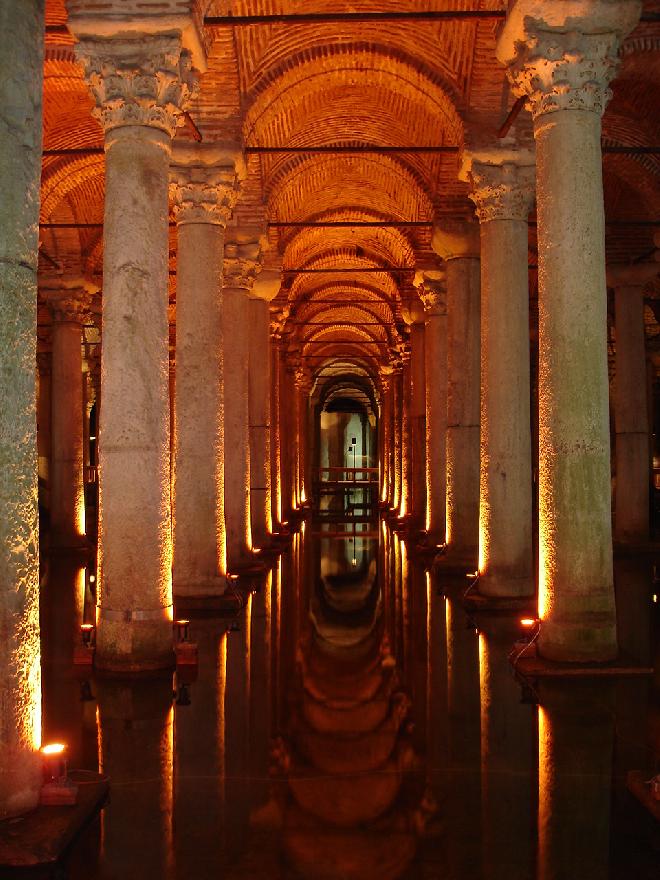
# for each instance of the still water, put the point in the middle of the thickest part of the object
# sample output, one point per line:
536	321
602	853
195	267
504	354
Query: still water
357	724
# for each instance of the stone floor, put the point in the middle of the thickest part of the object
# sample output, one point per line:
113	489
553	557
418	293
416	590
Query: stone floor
329	737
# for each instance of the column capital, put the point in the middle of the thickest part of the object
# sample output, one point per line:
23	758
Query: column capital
455	239
432	289
562	56
413	312
503	183
267	285
68	298
138	79
205	182
626	275
243	258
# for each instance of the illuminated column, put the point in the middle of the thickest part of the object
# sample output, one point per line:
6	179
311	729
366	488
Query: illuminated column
459	246
416	416
140	82
406	451
43	415
265	288
563	64
502	182
68	302
286	439
397	433
385	438
275	430
433	295
631	417
242	264
21	79
204	188
303	385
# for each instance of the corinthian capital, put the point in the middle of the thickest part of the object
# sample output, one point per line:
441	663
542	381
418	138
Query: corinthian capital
67	297
502	191
563	55
140	79
243	260
205	182
431	286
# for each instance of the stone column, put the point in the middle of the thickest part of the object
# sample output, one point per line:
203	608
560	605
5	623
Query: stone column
631	416
140	82
301	435
397	429
242	256
21	80
43	415
264	290
385	438
563	64
433	295
458	244
406	451
502	182
417	416
68	302
204	188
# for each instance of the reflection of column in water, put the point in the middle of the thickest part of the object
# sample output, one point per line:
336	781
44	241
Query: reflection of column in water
260	686
275	644
199	739
398	647
136	752
237	732
417	674
508	759
575	777
436	688
633	576
463	794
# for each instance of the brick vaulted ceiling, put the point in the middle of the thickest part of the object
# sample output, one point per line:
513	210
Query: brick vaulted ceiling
387	83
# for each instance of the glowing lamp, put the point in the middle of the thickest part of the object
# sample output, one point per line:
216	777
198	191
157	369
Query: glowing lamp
256	549
528	621
472	576
53	758
354	561
87	634
92	578
182	630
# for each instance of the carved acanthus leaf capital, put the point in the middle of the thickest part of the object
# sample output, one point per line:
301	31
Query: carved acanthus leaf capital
143	79
243	262
502	192
205	183
431	287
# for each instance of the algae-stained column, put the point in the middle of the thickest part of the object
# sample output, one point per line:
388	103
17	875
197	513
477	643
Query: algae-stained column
502	183
68	302
264	290
140	81
458	244
433	295
631	416
21	78
563	64
242	264
204	184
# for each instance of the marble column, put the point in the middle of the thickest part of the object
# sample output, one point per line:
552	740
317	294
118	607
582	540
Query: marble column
264	289
458	245
631	416
21	81
385	438
397	434
204	184
242	265
68	302
502	188
140	82
44	364
275	435
417	417
563	62
303	386
433	295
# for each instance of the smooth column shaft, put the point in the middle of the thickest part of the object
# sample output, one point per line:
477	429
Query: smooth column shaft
134	617
631	418
259	415
21	80
418	423
199	519
435	354
576	596
505	510
67	498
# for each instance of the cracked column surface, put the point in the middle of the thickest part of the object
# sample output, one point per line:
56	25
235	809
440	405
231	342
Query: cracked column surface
458	245
204	187
242	264
264	290
502	181
68	301
563	65
140	82
21	80
433	295
631	416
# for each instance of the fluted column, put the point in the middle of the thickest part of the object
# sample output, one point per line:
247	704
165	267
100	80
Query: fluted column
264	289
21	81
458	245
631	416
140	82
204	188
433	295
68	302
563	65
242	264
502	182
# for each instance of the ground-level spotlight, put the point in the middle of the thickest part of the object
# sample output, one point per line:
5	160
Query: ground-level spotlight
57	789
182	629
185	651
87	632
233	627
83	654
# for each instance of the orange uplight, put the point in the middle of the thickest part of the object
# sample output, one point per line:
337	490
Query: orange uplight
54	762
53	749
86	632
528	621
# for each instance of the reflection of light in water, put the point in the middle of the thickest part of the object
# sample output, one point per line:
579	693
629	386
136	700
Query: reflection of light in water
167	771
222	688
545	783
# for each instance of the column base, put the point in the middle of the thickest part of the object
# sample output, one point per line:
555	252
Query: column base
200	588
501	586
456	563
133	647
592	641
